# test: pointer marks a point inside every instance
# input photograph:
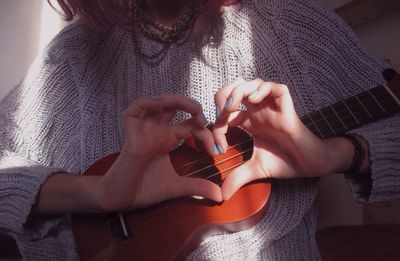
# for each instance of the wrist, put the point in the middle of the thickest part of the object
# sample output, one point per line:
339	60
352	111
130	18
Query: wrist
65	193
341	154
117	189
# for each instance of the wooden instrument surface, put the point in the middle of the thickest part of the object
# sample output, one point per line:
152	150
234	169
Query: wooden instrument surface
172	229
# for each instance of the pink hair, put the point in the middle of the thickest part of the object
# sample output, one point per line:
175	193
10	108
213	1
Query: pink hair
104	14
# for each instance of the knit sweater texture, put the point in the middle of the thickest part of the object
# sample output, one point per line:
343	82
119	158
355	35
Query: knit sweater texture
66	114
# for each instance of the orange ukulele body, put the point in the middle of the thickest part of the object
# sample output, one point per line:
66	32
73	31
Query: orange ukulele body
172	229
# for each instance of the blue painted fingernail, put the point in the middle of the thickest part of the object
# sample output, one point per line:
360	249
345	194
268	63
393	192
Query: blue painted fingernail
195	102
180	142
220	149
217	112
216	150
253	95
229	102
204	119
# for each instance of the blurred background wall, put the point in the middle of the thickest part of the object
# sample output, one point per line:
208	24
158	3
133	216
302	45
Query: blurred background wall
25	27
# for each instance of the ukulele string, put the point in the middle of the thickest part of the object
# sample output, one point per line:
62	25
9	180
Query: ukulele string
208	156
210	176
318	113
234	166
324	129
382	96
131	223
219	162
386	99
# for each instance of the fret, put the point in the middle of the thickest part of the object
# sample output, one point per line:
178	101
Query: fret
352	112
309	124
345	114
340	119
308	121
385	99
334	120
377	102
392	94
372	105
362	105
356	109
394	86
327	122
321	124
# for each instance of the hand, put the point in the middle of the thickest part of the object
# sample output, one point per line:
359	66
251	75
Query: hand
143	174
283	146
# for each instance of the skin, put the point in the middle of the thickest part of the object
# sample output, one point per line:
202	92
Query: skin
143	162
283	148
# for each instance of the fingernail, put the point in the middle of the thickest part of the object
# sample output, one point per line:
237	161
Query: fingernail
204	119
216	150
253	95
220	149
229	102
179	143
217	112
195	102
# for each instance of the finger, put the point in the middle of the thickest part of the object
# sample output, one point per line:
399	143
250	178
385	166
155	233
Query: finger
238	94
239	177
168	115
220	128
207	138
232	103
258	95
144	104
180	102
183	130
221	124
223	94
271	89
237	118
197	187
138	110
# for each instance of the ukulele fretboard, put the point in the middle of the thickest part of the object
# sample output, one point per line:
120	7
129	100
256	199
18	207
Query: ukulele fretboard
371	105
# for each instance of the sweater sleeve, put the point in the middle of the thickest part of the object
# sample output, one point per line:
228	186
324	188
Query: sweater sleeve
330	56
38	137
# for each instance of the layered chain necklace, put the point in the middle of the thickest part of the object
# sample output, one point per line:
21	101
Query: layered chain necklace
166	35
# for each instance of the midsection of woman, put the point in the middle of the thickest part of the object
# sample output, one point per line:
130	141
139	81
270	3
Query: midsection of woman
250	46
198	74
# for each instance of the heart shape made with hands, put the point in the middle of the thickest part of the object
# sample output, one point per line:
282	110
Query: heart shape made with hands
131	235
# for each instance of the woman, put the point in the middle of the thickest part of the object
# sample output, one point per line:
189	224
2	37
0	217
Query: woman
113	81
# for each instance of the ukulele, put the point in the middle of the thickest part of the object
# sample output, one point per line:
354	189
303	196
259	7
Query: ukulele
172	229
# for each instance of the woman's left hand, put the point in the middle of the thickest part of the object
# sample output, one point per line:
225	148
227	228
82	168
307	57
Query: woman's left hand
283	146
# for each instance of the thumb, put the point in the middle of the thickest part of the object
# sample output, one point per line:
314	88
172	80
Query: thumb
236	179
197	187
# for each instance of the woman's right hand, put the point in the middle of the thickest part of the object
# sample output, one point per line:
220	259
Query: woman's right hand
143	174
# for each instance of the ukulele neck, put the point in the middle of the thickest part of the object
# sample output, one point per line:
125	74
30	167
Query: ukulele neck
371	105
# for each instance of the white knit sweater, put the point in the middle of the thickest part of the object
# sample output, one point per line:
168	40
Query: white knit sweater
66	114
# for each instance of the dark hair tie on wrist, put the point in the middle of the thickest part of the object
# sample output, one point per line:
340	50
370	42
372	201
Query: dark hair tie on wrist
359	154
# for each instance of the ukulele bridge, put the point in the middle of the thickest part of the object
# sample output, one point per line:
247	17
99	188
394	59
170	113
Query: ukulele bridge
118	226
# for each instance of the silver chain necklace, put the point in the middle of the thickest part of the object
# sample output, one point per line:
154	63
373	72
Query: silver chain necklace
178	33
